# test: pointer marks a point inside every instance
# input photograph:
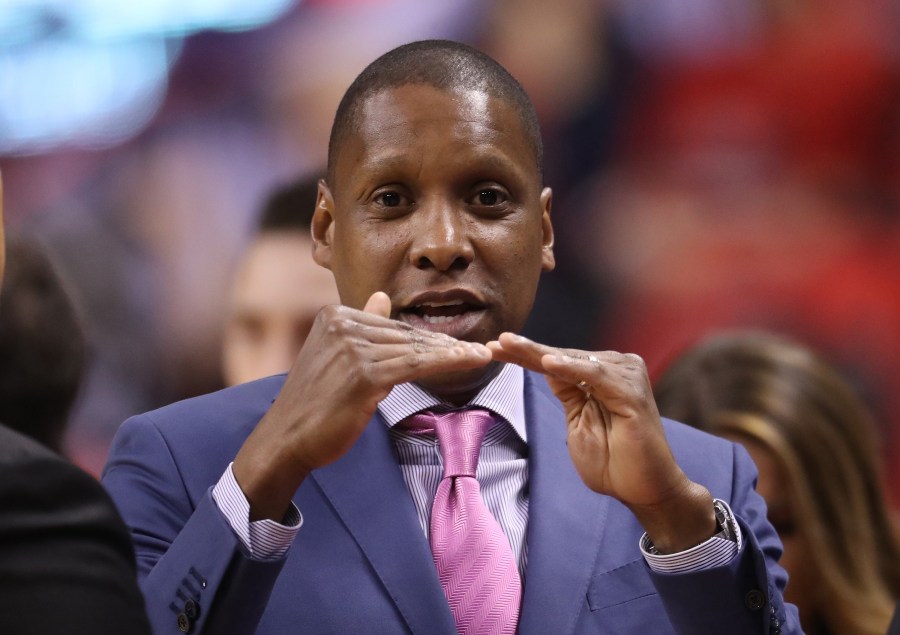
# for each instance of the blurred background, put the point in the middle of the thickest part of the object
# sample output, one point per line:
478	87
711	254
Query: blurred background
714	163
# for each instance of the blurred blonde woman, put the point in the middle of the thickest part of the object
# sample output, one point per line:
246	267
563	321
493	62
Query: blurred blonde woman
814	443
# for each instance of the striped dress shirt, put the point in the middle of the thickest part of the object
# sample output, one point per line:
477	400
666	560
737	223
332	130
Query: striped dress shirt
502	471
502	474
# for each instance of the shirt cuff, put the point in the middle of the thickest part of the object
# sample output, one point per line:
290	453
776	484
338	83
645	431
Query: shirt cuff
261	539
714	552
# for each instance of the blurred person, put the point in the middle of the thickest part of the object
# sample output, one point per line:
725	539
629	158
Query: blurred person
814	443
66	560
42	346
435	222
143	247
277	290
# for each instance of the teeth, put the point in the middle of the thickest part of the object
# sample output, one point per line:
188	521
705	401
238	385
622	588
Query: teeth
438	319
440	304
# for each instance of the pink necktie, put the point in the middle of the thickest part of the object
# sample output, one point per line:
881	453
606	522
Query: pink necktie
474	561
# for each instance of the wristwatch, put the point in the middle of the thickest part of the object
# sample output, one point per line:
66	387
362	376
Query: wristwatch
727	524
724	518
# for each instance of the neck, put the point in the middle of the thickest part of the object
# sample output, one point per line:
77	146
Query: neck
459	389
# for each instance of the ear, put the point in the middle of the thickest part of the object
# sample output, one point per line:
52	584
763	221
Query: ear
322	227
548	260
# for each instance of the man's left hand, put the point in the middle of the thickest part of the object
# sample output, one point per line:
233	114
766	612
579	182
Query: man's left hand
616	438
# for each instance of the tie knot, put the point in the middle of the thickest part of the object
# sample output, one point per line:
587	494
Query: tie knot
459	434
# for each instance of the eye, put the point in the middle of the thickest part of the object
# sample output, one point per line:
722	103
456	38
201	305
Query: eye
388	199
489	197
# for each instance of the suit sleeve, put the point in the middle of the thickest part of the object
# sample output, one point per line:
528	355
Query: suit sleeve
193	574
66	562
745	595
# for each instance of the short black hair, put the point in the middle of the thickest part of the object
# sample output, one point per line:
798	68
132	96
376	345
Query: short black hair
443	64
43	348
289	207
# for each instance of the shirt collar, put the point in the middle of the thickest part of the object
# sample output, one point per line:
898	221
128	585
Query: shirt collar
504	396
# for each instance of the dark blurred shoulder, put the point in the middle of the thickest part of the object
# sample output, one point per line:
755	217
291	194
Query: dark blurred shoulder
66	559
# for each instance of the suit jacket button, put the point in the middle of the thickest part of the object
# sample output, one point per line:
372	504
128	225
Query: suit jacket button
191	609
184	623
755	600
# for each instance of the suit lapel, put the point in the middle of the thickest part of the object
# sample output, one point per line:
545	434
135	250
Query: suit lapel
565	520
565	526
367	491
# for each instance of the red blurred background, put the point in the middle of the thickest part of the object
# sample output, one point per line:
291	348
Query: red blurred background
715	163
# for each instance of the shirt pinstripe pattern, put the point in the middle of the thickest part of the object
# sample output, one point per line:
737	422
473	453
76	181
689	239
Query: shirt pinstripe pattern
714	552
260	539
502	473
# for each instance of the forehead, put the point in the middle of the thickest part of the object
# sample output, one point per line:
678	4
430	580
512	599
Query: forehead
418	121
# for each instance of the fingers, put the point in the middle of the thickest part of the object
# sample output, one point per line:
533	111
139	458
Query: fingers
379	304
523	351
602	374
385	351
519	350
595	370
409	366
372	327
407	355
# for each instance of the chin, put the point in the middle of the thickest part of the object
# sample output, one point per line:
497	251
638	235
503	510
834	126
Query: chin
459	386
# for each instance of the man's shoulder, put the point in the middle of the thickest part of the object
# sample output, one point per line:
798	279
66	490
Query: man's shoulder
233	406
26	464
706	458
201	431
42	490
693	438
16	447
61	535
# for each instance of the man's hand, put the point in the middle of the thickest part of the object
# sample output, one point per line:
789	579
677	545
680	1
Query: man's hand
350	361
616	438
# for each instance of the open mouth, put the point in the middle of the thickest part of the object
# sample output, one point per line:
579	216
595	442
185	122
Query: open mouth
456	314
440	312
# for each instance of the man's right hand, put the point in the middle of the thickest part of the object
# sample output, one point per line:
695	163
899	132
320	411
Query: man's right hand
350	361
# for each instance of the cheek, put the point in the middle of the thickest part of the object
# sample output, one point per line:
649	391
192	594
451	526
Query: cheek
517	244
368	261
514	267
523	261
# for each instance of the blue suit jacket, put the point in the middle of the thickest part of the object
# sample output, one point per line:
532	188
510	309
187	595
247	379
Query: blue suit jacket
361	562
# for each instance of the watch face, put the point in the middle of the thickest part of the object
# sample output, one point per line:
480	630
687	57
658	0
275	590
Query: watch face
724	518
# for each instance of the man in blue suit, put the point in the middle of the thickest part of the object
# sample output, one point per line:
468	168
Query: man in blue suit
436	226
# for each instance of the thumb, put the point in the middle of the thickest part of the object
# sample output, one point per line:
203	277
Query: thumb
379	304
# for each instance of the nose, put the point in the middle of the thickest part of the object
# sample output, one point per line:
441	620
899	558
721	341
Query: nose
442	238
